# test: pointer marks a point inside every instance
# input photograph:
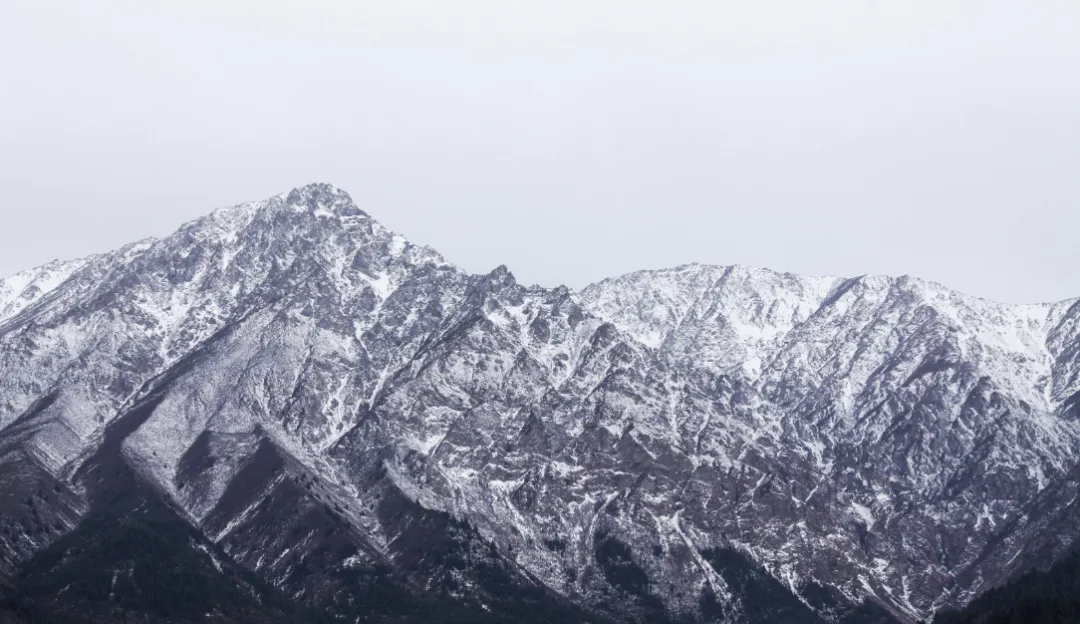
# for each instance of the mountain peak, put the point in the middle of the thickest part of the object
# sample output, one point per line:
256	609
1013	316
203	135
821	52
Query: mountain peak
317	193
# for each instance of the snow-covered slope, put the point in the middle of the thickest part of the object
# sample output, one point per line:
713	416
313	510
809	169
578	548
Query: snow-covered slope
867	438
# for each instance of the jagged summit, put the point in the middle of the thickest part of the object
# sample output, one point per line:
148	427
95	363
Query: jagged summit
321	192
317	397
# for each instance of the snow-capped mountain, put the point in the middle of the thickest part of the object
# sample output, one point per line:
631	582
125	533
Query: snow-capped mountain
321	399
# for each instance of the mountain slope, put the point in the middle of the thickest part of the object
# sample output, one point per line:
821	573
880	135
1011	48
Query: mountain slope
134	561
306	389
1050	597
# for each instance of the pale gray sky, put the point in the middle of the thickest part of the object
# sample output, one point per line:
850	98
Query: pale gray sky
570	140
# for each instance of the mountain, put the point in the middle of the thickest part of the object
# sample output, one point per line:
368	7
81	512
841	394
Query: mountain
346	425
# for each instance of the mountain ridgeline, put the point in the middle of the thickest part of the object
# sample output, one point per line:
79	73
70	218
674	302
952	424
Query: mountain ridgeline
285	412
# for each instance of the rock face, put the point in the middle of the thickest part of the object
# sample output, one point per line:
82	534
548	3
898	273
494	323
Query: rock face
339	412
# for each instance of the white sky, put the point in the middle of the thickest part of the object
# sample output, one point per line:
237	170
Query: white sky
568	140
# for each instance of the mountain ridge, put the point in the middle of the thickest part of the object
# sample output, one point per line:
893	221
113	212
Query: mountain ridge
71	264
883	439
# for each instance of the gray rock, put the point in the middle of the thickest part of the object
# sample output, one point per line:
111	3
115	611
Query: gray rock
308	388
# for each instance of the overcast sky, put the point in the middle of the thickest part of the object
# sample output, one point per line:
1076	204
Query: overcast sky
568	140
